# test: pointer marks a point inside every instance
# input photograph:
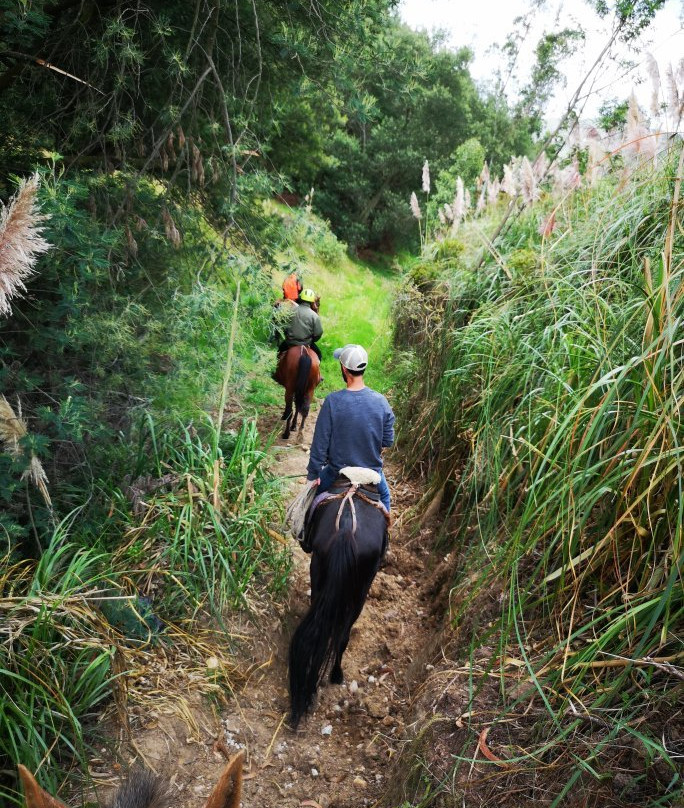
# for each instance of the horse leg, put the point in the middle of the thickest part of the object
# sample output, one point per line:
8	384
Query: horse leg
336	675
293	420
301	423
289	395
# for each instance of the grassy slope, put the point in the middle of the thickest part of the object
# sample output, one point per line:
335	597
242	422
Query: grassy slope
356	299
213	511
355	307
552	398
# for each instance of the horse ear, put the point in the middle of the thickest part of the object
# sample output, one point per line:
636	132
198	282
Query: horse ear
35	796
228	790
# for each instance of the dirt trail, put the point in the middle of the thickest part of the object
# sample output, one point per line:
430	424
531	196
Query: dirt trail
341	755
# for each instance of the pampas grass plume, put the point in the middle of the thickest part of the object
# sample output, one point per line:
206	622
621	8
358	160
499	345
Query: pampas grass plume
415	207
484	177
529	190
673	101
12	430
509	185
458	205
493	191
637	140
654	75
426	177
21	242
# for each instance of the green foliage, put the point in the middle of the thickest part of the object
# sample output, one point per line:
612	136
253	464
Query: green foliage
404	98
523	263
125	325
204	546
552	49
631	16
552	409
613	115
55	659
210	537
466	162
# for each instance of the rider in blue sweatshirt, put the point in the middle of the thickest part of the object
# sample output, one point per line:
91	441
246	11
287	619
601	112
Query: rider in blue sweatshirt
352	428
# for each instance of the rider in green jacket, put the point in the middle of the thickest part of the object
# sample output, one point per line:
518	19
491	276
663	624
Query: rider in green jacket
304	327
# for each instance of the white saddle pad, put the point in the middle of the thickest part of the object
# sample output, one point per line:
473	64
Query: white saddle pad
360	476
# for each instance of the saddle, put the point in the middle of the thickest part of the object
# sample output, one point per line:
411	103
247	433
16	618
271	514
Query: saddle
353	481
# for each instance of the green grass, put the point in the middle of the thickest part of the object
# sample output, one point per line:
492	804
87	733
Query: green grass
356	299
545	396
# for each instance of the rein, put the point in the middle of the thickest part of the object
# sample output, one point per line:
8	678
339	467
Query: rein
348	496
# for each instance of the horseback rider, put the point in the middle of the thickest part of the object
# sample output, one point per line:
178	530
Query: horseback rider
353	427
292	287
304	326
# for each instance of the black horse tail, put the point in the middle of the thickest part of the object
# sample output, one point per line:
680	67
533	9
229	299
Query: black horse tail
303	370
319	637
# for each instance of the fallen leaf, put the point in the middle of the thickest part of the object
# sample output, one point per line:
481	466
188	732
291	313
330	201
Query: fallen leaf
486	751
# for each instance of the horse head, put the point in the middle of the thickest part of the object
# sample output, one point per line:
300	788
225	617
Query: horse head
144	790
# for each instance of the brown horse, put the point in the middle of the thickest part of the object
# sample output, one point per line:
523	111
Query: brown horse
299	372
143	790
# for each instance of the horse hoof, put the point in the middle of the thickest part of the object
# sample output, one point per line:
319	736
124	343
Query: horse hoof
336	676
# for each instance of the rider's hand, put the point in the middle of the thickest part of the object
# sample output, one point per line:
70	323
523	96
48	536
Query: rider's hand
315	483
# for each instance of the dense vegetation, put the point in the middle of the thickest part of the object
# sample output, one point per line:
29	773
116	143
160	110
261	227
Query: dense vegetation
233	99
542	395
158	131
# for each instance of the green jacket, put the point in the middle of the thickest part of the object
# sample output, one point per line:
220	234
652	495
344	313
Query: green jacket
305	326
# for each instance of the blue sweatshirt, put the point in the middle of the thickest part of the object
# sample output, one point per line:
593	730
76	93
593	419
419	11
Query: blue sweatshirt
352	428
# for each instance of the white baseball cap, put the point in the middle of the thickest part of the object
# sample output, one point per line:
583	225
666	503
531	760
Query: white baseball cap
353	357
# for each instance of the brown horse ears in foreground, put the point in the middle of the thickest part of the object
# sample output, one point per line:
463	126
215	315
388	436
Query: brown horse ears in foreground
226	793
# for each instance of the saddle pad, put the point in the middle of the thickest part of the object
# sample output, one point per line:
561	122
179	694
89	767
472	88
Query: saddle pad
360	476
295	515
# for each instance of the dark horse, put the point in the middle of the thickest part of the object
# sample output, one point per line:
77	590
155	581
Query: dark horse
299	373
348	541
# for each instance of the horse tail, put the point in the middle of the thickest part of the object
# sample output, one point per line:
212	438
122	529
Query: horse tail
320	635
303	370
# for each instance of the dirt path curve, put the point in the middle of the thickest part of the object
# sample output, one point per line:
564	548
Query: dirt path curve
340	756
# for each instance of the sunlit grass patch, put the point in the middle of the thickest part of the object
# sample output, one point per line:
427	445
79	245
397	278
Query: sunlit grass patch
356	299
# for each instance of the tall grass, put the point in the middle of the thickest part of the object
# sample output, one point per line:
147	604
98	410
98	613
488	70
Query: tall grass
195	543
56	649
206	536
554	382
